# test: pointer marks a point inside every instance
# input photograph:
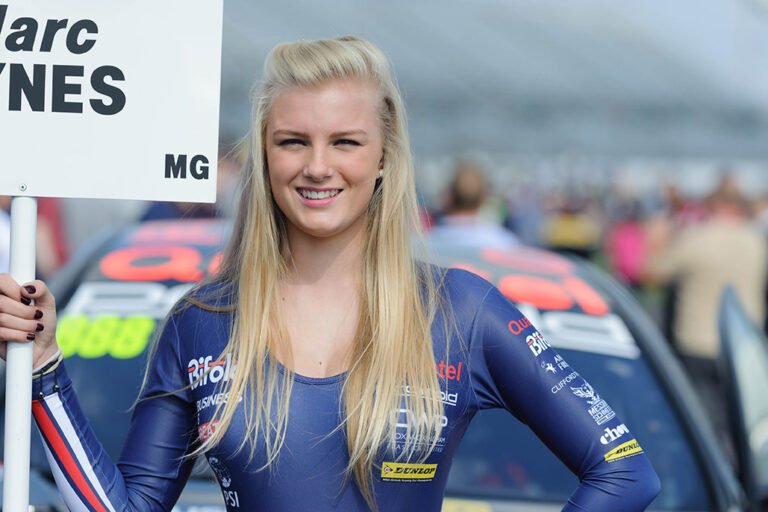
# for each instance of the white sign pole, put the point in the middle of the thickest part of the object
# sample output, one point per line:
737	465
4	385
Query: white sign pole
18	370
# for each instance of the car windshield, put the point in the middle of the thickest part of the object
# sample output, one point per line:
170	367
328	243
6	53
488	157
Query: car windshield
500	457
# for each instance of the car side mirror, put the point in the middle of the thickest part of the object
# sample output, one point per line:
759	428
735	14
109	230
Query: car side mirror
744	354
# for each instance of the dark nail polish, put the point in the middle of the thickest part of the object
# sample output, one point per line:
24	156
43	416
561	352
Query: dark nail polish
30	288
40	327
30	337
38	314
26	301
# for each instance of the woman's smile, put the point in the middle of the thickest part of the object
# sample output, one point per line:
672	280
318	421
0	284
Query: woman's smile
315	197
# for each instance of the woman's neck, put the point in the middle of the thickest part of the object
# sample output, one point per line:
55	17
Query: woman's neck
320	303
335	260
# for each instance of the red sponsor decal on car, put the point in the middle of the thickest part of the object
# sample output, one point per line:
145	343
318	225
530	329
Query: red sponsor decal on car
158	263
554	295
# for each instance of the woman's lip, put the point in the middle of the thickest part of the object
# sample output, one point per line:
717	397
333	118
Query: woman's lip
315	189
317	202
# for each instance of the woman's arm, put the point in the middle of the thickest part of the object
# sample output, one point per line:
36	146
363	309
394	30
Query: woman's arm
152	469
512	367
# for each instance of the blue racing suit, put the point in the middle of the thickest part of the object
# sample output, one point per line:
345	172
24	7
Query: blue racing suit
495	358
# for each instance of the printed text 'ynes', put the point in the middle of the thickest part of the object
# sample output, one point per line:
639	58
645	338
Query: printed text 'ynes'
65	84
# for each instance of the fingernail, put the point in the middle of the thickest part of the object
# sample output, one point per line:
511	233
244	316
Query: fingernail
26	301
38	314
31	337
30	288
40	327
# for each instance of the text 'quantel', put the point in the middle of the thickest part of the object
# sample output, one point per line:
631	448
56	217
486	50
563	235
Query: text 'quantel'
60	84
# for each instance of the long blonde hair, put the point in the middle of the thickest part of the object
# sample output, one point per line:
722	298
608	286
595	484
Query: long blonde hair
393	345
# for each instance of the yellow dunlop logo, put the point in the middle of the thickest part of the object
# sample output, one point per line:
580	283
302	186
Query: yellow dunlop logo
403	471
623	451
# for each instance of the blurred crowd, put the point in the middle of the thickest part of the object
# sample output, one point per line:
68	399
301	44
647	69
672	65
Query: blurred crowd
676	252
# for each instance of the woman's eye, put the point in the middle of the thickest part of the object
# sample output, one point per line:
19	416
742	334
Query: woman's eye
347	142
290	142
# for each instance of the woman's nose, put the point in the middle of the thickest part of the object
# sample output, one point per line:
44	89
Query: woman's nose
317	167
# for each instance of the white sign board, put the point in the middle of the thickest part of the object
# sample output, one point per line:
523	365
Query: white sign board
115	99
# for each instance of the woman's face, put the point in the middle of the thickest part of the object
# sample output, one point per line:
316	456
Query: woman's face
324	148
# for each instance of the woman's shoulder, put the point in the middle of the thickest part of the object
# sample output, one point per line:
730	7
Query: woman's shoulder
212	297
459	286
202	319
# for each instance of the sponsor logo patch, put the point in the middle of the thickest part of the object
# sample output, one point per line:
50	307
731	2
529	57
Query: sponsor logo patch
213	399
203	370
548	367
406	418
447	398
406	471
600	411
612	434
560	385
536	343
518	326
221	471
555	366
628	449
449	371
206	430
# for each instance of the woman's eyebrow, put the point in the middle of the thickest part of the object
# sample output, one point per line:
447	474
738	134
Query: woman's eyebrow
344	133
289	133
348	133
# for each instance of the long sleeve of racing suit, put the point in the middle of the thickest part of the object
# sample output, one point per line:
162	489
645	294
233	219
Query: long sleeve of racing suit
153	468
508	357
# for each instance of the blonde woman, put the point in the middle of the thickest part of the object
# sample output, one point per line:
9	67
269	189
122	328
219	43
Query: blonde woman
324	368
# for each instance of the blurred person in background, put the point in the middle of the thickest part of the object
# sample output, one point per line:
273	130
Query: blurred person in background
760	211
51	249
725	249
626	244
462	222
669	212
571	229
682	210
526	214
227	177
